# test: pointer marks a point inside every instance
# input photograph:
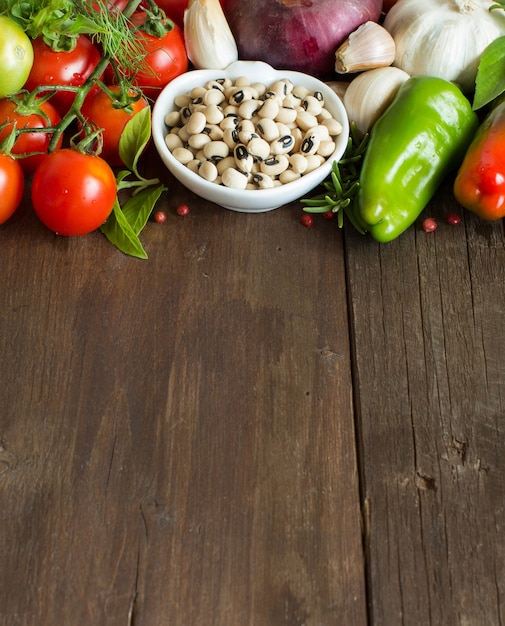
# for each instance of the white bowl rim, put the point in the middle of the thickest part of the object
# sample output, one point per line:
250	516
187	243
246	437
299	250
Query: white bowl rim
249	200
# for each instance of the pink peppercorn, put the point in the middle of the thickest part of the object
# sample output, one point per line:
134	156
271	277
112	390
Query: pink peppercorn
429	225
160	217
453	219
182	209
307	220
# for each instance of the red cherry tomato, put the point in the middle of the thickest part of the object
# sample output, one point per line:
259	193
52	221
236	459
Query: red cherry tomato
42	115
99	108
62	68
73	193
11	186
165	58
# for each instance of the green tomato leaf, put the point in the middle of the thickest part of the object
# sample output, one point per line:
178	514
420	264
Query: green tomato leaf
119	232
134	138
139	207
490	81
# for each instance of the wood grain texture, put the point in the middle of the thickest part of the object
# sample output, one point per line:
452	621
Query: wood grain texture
177	439
428	313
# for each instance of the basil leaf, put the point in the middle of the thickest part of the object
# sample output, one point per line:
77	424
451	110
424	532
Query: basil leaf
138	208
134	138
490	81
119	232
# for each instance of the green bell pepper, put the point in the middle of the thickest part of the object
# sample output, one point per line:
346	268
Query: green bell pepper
413	146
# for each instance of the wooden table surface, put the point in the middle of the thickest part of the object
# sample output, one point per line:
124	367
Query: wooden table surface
260	425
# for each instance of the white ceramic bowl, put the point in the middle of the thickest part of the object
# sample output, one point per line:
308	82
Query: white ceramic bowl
249	200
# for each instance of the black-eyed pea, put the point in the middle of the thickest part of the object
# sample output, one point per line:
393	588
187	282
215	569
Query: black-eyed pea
230	109
224	164
186	113
286	115
208	171
300	91
267	129
310	143
274	165
183	133
298	137
214	114
313	162
291	101
283	144
243	160
194	165
216	150
319	95
334	126
241	94
173	141
273	95
258	148
234	178
197	93
213	96
326	148
298	162
214	84
269	109
248	108
262	181
182	100
229	121
283	87
246	131
230	137
183	155
288	176
199	155
284	129
197	142
306	120
321	131
196	123
242	81
324	115
312	105
260	88
214	131
172	119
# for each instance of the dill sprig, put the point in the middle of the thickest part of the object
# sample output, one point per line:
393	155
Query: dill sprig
342	184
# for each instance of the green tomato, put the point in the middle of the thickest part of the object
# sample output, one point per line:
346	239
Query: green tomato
16	57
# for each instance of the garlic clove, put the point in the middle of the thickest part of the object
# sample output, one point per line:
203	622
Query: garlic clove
368	47
370	93
210	44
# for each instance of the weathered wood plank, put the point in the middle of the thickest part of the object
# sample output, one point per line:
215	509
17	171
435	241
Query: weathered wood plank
428	313
177	438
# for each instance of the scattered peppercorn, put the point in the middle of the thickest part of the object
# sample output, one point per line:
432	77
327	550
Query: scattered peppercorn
182	209
160	217
453	219
429	225
328	215
307	220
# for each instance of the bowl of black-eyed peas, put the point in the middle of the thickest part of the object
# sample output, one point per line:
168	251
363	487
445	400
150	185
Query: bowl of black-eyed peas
249	138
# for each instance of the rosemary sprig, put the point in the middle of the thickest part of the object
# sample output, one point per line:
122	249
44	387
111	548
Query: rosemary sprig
342	184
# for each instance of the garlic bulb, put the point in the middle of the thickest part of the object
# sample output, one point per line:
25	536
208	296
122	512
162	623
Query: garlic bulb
444	38
370	93
209	41
369	46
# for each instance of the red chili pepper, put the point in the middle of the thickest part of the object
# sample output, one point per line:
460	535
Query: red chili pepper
480	182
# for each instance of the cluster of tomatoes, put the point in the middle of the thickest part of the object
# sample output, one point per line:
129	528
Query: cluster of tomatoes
73	191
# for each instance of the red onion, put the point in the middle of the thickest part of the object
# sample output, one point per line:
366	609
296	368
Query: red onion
300	35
